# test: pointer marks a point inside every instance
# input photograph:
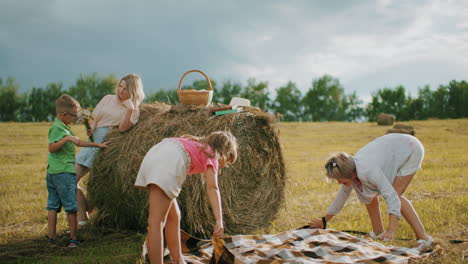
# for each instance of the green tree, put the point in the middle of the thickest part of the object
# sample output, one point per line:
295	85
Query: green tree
423	104
288	102
420	108
89	90
458	99
257	93
39	103
390	101
23	113
9	99
353	110
414	108
441	107
200	85
164	96
324	100
227	92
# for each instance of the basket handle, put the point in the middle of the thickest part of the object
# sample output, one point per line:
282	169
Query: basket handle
206	77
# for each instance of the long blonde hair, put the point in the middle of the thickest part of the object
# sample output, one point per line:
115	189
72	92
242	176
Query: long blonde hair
340	165
134	87
223	143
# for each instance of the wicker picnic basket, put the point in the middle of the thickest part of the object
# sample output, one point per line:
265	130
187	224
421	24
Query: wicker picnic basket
195	97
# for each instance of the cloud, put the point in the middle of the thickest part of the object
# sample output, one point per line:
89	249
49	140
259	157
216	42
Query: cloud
352	54
365	44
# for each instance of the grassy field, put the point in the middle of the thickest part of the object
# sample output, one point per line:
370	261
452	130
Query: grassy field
439	192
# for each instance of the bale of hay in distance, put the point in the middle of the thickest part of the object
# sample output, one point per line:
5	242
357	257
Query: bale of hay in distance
403	129
403	126
252	189
384	119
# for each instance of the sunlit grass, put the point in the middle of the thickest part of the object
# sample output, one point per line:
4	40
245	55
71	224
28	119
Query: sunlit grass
439	192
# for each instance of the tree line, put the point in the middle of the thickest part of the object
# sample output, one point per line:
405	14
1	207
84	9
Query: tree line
325	99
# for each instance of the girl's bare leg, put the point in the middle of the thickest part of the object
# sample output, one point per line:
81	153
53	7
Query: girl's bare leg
407	210
159	205
172	232
373	210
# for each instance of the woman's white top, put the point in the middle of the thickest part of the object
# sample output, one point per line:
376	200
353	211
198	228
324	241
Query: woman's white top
110	111
377	165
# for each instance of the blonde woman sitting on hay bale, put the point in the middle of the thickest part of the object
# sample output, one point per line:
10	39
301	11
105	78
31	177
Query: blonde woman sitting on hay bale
386	166
163	171
113	111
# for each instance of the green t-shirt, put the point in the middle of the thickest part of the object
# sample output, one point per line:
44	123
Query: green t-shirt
63	160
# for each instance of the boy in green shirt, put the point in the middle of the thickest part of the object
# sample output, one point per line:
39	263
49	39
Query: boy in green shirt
61	175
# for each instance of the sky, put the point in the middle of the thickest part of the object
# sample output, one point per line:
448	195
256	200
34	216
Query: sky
366	44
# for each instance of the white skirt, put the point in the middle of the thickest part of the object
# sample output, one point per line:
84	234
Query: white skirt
166	164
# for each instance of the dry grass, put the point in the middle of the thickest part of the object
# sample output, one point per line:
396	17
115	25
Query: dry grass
439	192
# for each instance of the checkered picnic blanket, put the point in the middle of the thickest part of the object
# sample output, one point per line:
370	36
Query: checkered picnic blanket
304	245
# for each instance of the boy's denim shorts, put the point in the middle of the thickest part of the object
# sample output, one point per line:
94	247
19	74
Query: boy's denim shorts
62	192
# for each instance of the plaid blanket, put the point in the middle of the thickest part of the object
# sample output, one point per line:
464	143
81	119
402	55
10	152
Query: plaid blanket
303	245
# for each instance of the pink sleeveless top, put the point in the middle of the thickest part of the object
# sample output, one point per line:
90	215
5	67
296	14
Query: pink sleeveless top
199	160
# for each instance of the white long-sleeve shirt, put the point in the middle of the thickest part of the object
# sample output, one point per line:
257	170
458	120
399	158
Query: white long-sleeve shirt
377	165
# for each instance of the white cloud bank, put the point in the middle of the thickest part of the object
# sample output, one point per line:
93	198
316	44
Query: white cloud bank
366	44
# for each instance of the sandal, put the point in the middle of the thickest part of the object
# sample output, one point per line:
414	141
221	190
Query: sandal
51	240
425	245
374	236
73	243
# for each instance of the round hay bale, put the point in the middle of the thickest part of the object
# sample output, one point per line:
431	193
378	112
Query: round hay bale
403	126
252	189
385	119
400	130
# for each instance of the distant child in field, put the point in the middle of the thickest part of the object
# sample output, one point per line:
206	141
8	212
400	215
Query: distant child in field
61	178
119	111
384	166
163	171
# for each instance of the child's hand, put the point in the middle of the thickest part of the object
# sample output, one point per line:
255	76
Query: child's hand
89	132
128	104
219	229
316	223
104	145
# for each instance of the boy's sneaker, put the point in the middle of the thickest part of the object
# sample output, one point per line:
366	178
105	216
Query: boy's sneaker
82	223
51	240
424	245
73	243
